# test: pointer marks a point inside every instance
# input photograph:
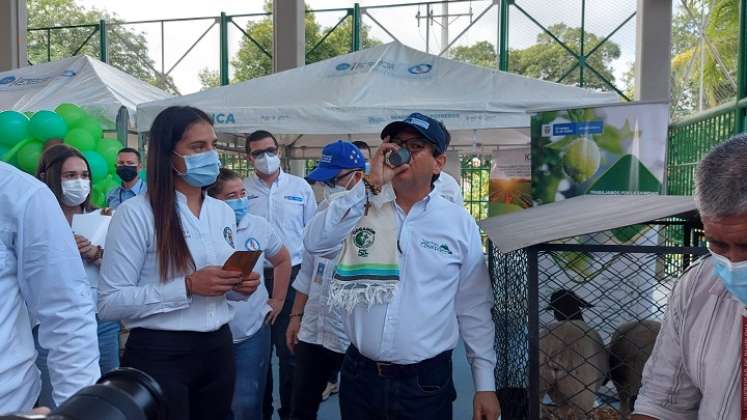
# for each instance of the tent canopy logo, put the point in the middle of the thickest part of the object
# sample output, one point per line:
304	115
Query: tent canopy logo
224	118
12	81
420	68
383	66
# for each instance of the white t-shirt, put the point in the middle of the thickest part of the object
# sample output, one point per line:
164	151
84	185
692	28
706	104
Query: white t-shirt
254	234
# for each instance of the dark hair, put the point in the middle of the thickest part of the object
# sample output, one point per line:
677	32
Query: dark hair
257	136
224	175
168	128
362	145
50	170
130	150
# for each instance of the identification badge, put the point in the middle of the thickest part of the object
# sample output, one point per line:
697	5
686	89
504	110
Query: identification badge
319	272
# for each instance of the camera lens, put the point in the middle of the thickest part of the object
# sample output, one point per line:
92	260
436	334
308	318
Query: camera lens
122	394
399	157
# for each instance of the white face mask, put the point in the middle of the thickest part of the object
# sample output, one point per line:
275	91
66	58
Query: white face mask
267	163
330	191
75	191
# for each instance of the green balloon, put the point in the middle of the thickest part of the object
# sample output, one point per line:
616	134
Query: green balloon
98	199
91	125
28	157
109	149
107	185
13	128
29	114
98	166
3	151
46	125
70	113
80	139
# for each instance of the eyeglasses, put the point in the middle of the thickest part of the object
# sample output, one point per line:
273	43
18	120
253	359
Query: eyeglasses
413	145
258	153
333	182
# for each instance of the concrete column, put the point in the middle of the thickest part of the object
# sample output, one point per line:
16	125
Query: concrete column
288	46
12	34
297	167
653	50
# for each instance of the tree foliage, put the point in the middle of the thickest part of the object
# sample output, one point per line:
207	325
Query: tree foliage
548	60
481	53
128	49
716	55
251	62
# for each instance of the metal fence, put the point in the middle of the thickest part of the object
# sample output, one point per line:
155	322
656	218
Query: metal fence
585	40
691	138
579	42
568	315
476	185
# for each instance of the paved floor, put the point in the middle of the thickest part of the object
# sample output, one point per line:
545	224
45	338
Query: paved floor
330	410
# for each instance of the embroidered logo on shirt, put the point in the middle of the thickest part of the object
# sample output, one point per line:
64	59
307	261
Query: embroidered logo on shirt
294	198
443	248
228	235
252	244
363	238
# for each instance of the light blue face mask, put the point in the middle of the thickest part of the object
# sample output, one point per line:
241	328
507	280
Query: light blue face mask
240	207
368	168
732	275
202	168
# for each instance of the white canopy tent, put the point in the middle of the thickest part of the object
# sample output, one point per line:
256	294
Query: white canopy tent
355	95
99	88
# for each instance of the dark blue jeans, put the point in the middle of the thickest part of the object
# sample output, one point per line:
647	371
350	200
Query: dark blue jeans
422	392
251	357
286	360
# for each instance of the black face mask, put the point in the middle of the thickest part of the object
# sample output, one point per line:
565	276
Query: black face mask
127	173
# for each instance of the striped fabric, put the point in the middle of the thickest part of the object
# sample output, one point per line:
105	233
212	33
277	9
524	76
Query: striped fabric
367	271
693	372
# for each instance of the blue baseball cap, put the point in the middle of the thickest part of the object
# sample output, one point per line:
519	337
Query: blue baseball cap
336	157
431	129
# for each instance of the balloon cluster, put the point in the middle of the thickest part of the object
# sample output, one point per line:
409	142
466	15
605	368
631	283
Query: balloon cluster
23	136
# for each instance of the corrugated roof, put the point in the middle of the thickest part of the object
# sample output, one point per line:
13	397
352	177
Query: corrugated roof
579	216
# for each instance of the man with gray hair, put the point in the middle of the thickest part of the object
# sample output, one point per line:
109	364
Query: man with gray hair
694	370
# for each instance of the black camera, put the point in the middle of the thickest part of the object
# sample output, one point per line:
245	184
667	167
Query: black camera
398	157
122	394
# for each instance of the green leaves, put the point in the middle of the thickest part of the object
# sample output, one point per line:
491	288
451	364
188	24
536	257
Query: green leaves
612	138
562	143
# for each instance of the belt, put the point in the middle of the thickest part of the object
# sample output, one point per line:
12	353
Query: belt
394	370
